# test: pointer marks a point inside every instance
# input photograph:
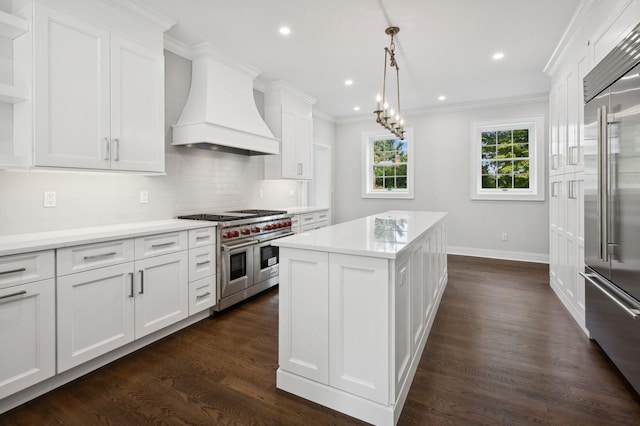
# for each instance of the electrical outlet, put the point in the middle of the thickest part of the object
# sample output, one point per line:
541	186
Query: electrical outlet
144	197
49	199
291	193
505	236
261	194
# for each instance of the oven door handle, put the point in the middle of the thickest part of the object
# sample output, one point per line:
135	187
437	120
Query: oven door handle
226	247
288	234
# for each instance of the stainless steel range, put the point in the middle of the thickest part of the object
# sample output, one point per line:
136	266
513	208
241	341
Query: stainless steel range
246	261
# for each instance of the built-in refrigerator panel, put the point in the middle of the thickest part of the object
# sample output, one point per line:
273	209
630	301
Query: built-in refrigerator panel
624	182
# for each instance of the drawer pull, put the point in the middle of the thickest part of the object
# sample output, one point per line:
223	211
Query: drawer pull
203	295
204	237
95	256
163	245
131	283
206	262
141	282
13	271
20	293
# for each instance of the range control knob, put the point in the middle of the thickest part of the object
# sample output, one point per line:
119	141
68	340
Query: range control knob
268	228
289	223
236	233
256	229
228	235
246	231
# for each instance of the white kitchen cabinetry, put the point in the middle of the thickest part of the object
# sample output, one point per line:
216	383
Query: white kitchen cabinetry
308	221
288	113
202	269
118	296
353	324
27	328
99	98
11	91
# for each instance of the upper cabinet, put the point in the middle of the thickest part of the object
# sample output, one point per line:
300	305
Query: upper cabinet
288	113
99	97
96	76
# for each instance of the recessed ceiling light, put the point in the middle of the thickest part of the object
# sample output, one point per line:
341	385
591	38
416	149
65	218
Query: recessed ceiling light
497	56
442	97
348	82
285	30
356	108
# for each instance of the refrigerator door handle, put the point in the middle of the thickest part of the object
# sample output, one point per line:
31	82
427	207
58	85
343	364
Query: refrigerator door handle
603	183
633	313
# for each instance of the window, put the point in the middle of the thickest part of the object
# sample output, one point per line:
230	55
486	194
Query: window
507	159
387	165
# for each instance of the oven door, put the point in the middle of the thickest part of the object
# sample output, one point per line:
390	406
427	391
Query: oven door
236	264
266	259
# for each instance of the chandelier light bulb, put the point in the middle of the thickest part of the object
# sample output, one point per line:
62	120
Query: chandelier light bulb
386	105
402	121
391	112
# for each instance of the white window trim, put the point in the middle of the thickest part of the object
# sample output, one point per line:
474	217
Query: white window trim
536	190
367	171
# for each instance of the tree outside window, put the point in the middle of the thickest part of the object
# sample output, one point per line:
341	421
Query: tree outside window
507	159
387	165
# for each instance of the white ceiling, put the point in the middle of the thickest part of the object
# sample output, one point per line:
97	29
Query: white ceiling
444	46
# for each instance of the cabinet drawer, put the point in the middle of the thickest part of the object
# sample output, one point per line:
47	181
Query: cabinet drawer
312	226
322	216
202	294
26	268
92	256
202	237
154	245
295	221
306	219
202	262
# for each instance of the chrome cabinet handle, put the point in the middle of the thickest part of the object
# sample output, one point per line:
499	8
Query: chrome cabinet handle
107	155
204	237
633	313
117	141
141	281
206	262
203	295
95	256
13	271
19	293
131	284
299	168
163	245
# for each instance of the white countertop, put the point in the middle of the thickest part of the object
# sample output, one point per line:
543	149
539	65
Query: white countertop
302	210
23	243
381	235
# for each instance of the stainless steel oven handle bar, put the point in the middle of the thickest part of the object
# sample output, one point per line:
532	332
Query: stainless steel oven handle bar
277	236
633	313
227	247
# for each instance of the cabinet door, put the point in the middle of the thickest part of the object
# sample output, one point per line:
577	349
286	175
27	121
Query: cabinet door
304	322
304	145
288	145
95	313
137	107
27	333
71	96
557	240
359	332
162	292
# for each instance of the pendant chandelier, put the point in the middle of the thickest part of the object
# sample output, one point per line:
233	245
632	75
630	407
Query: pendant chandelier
385	115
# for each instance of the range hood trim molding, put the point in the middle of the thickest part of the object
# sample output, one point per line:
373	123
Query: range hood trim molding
216	134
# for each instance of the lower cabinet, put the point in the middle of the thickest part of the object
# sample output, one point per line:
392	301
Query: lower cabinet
309	221
27	333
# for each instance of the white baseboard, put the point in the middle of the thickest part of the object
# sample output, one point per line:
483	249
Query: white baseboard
499	254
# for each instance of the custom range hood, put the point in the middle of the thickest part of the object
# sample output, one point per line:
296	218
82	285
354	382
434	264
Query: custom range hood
220	113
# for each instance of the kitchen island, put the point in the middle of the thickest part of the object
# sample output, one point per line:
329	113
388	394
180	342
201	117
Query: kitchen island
357	301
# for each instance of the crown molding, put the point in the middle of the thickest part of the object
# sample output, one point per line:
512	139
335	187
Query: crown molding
142	10
323	115
178	47
283	86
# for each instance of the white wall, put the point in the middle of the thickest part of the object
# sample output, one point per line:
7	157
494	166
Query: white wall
442	183
196	181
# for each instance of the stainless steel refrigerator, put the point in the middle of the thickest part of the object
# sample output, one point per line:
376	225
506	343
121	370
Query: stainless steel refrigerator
612	205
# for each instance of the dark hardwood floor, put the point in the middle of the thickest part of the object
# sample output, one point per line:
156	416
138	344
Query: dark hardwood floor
502	350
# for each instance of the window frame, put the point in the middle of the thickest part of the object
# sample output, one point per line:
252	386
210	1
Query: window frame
367	190
536	190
